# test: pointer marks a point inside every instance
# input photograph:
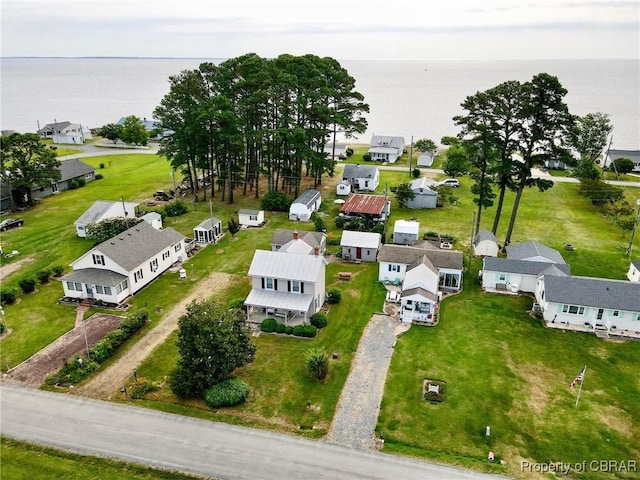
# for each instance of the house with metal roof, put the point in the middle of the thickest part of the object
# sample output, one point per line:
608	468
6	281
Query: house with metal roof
208	231
385	148
103	210
303	206
507	275
360	246
405	232
121	266
533	251
361	177
599	305
375	208
424	193
485	244
287	286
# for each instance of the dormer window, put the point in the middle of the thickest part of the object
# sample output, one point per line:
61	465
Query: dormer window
98	259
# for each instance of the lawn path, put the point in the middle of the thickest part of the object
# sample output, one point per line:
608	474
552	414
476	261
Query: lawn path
109	381
354	422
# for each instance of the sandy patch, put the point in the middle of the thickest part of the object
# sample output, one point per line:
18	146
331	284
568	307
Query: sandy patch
615	419
8	269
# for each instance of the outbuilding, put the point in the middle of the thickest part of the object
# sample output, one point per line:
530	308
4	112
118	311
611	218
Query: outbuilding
424	194
303	206
405	232
343	188
485	244
250	218
208	231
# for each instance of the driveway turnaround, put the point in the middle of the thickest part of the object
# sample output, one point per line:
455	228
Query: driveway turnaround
354	422
194	446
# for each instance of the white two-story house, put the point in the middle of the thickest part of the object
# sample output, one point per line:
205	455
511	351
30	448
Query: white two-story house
124	264
289	287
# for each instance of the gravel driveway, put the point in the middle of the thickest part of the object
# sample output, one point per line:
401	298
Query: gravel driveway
356	416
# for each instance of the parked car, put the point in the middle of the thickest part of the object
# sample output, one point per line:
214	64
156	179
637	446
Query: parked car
161	195
450	182
8	223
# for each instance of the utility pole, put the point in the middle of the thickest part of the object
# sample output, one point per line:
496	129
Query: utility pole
633	232
410	154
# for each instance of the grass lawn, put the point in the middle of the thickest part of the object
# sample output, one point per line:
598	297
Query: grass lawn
283	395
502	368
25	461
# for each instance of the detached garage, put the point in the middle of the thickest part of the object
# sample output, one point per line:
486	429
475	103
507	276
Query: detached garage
303	206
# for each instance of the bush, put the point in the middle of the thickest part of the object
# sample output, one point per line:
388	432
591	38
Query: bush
27	285
58	270
334	295
106	347
415	173
366	157
142	387
72	372
276	202
269	325
317	363
99	176
2	328
309	331
280	328
297	330
73	185
288	330
102	165
237	304
227	393
339	221
43	276
175	209
81	182
333	241
319	222
134	321
7	297
319	320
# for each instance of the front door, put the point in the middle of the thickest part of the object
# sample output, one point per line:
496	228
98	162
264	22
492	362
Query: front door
358	253
600	313
89	291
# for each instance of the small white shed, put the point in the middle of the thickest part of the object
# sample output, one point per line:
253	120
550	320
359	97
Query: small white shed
343	188
303	206
425	159
485	244
154	219
208	231
405	232
250	218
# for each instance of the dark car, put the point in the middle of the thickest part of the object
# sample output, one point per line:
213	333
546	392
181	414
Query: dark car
8	223
161	195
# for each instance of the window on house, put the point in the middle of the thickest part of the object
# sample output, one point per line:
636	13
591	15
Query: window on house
502	277
394	268
573	309
178	247
166	255
269	283
295	286
100	289
98	259
616	313
253	217
137	276
153	264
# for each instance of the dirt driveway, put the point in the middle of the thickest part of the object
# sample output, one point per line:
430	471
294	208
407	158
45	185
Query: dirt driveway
109	381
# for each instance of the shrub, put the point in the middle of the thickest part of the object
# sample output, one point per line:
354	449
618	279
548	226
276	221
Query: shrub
43	276
276	202
366	157
81	182
2	328
333	241
134	321
319	320
7	297
58	270
339	221
27	285
297	330
72	372
73	185
309	331
142	387
99	176
238	304
227	393
269	325
280	328
106	347
317	363
175	209
319	222
415	173
349	151
102	165
288	330
334	295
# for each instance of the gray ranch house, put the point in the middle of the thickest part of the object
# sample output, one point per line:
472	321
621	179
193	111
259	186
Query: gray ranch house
121	266
506	275
385	148
70	170
360	246
287	286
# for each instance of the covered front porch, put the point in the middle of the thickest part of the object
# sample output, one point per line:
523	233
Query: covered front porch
96	284
418	305
290	309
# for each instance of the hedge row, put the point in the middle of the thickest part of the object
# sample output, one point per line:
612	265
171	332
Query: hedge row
270	325
28	285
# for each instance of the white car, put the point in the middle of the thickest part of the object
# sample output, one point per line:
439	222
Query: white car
450	182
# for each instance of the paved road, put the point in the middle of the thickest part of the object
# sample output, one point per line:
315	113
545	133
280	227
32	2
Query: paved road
195	446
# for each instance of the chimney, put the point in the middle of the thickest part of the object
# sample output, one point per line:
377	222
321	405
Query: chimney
316	250
296	235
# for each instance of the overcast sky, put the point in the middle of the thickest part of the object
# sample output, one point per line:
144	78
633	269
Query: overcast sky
342	29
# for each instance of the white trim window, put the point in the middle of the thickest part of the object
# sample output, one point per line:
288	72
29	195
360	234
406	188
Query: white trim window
137	276
98	259
269	283
153	265
394	267
295	286
573	309
178	247
166	255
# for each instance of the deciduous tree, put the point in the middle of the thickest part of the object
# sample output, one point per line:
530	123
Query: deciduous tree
110	227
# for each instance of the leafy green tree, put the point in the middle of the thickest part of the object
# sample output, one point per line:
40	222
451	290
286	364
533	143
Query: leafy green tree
588	136
426	145
587	170
622	165
111	131
213	341
457	162
134	132
25	162
317	362
110	227
404	194
233	226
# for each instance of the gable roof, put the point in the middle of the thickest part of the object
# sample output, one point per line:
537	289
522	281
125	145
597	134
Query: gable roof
288	266
102	208
137	244
57	126
360	239
406	226
526	267
387	141
523	251
484	235
246	211
359	171
207	223
593	292
74	168
282	236
296	246
367	204
419	291
424	184
614	154
407	255
636	263
308	197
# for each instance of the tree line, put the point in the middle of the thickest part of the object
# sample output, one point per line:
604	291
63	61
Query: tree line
250	118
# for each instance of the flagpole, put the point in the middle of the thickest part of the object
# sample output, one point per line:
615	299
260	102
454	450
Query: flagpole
584	371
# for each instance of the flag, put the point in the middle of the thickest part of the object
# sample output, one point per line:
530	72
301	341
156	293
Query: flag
579	378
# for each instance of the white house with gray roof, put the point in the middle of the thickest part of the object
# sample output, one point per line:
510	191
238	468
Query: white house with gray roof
289	287
590	304
362	246
633	274
534	252
124	264
385	148
303	206
504	274
103	210
251	218
361	177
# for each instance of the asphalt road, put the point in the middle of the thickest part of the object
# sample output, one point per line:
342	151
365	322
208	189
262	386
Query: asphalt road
195	446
